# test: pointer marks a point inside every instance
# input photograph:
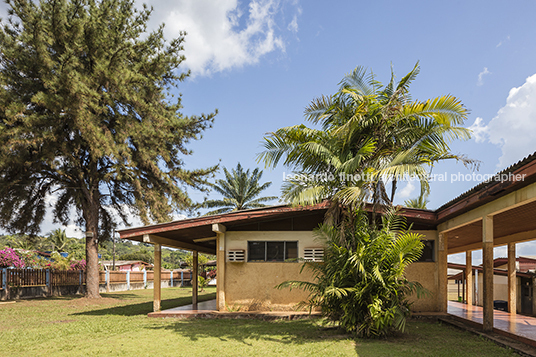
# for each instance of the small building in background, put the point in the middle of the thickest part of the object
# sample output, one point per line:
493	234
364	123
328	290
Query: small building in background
126	265
525	277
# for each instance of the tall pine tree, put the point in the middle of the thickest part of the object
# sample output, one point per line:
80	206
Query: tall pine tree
86	115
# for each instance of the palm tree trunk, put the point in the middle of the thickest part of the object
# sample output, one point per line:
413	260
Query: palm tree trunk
393	190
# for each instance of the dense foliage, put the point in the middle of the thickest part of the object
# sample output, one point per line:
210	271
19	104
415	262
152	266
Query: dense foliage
20	258
360	285
370	134
10	258
171	259
87	114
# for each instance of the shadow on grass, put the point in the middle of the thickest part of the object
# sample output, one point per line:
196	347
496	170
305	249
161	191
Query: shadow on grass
51	298
120	296
244	330
145	307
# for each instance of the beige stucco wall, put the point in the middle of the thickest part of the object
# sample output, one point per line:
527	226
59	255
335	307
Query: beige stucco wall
251	286
500	289
425	273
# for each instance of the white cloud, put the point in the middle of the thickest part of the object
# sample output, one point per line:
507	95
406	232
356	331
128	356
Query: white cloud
224	34
407	190
514	124
502	42
293	26
480	130
481	76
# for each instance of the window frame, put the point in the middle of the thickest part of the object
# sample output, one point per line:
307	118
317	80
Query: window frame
285	260
432	259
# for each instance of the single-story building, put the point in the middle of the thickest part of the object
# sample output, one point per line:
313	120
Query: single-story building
126	265
258	249
525	272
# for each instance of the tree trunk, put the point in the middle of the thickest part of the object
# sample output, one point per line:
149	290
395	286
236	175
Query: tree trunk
393	190
92	252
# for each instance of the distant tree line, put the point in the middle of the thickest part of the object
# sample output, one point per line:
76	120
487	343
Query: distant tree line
124	250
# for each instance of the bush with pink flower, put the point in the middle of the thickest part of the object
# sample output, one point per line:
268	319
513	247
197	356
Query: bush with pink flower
10	258
78	264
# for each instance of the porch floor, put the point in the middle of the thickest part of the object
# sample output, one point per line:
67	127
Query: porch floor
203	309
208	309
518	327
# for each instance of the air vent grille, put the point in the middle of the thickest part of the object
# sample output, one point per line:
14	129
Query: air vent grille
313	254
236	255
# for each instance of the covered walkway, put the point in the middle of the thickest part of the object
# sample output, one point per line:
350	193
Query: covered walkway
201	309
516	326
208	309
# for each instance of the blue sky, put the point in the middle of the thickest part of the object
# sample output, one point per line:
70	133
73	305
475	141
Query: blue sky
261	62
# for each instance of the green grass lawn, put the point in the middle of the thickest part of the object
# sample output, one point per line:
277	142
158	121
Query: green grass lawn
118	325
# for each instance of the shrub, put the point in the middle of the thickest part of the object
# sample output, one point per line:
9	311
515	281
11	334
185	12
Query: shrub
78	264
361	284
211	274
10	258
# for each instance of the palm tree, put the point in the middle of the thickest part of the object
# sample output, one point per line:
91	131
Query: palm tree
58	238
240	190
419	202
360	284
370	133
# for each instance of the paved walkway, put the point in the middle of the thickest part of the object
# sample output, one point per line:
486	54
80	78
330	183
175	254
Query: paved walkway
519	327
207	309
203	309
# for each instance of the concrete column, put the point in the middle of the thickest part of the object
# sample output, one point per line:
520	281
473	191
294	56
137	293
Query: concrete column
487	258
469	277
194	279
533	294
220	230
463	286
220	275
157	277
442	271
512	281
478	293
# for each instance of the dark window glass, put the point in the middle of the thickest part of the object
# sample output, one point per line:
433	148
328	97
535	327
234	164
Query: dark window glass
256	251
428	251
275	251
272	251
291	251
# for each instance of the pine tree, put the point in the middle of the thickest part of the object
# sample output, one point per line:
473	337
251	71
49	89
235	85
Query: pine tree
86	114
